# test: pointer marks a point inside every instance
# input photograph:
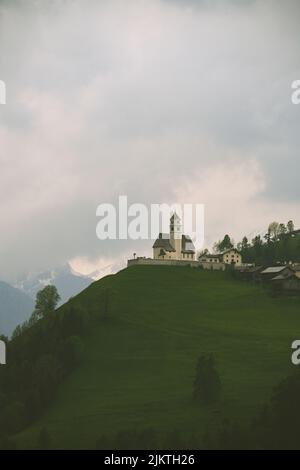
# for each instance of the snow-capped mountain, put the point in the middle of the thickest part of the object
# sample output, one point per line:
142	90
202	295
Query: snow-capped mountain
66	280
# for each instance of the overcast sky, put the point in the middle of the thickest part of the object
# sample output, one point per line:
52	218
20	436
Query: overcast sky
161	100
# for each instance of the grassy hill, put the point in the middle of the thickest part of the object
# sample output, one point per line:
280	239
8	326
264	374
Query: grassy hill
139	363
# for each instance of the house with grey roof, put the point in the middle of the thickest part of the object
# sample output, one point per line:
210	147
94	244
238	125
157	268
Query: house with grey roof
288	283
296	268
275	271
219	261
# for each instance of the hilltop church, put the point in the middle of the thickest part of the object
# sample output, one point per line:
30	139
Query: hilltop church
175	245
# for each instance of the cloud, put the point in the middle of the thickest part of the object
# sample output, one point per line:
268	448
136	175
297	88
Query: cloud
161	101
241	208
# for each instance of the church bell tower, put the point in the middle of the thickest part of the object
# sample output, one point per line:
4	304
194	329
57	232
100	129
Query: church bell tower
176	234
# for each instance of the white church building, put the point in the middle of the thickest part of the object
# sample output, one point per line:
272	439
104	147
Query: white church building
176	248
174	245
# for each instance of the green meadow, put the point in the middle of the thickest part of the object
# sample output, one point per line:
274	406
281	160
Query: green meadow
139	363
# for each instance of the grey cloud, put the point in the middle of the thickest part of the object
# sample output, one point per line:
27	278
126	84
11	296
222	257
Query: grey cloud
138	99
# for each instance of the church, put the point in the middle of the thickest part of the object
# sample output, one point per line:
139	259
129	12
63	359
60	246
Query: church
175	245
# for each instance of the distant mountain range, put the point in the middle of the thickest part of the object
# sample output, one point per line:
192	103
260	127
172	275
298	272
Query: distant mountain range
17	303
15	308
68	282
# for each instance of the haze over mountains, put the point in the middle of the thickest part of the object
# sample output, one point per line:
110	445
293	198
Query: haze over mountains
15	308
17	303
66	280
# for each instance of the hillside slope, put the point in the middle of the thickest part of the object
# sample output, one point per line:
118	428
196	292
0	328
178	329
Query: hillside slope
15	308
139	363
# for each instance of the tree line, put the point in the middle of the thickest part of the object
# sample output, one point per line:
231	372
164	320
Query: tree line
280	244
41	353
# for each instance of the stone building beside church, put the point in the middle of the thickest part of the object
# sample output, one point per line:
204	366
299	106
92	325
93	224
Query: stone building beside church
218	261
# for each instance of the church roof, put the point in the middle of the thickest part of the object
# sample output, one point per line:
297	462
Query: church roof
163	241
187	245
174	217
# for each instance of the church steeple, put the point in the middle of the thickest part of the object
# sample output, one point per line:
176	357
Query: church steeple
176	234
175	227
176	247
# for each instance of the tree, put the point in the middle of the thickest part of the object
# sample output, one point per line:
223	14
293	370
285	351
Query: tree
72	352
225	244
47	374
282	230
285	414
277	425
290	226
245	244
108	295
204	252
257	241
267	236
207	384
17	331
274	230
46	302
244	248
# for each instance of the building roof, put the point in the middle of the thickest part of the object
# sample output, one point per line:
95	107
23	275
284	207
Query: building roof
219	255
274	269
249	269
175	217
281	277
187	245
163	241
208	255
254	269
229	250
295	232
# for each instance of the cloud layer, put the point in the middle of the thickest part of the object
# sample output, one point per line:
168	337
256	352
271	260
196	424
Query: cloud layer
164	101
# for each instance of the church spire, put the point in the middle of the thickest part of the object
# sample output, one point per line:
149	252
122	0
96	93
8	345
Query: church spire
175	227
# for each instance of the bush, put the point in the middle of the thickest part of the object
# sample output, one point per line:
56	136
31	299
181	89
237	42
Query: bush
207	384
72	352
44	439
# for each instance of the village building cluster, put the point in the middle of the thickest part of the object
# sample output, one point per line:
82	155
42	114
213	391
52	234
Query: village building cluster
280	278
177	248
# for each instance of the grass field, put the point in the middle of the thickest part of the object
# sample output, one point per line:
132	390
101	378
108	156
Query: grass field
138	365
